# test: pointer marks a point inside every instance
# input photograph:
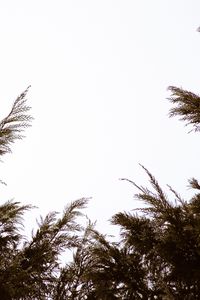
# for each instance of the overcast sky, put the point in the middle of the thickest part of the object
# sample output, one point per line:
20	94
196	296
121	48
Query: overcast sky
99	72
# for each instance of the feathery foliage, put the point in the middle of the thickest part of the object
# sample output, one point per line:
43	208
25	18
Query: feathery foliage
14	123
157	256
30	269
187	106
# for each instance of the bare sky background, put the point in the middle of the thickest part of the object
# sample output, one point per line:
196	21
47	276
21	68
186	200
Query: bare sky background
99	71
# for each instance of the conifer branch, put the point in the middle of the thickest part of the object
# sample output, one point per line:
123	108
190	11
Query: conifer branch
187	106
157	200
14	123
193	183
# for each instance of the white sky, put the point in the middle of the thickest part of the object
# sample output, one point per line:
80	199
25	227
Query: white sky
99	72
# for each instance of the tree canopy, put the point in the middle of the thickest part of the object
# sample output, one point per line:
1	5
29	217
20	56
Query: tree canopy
157	256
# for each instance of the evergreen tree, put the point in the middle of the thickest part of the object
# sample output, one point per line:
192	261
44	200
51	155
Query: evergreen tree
157	257
30	269
160	243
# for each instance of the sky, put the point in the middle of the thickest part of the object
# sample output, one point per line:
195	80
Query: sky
99	72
